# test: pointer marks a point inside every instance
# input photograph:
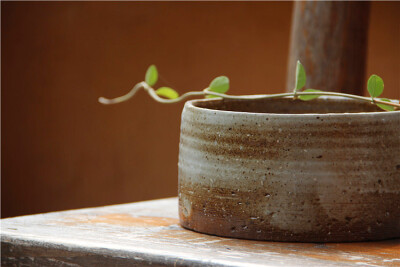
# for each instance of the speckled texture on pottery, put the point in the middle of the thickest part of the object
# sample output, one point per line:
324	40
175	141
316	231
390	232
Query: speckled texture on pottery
262	170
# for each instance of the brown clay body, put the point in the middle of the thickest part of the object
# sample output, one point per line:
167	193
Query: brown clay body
327	170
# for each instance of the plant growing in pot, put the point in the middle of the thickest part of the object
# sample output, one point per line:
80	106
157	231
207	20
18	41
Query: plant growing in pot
284	168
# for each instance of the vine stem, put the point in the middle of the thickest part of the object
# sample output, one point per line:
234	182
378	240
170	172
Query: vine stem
368	99
206	91
151	92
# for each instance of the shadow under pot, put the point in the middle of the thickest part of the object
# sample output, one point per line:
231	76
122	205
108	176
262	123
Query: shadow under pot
326	170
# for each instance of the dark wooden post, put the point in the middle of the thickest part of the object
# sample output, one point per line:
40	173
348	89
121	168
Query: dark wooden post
330	39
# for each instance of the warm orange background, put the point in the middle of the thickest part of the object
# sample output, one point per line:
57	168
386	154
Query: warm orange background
61	149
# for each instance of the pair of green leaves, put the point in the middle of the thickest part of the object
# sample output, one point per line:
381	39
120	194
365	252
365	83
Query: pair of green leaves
218	85
301	82
151	78
375	87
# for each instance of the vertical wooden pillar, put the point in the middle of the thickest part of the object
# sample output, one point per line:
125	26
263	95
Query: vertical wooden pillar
330	39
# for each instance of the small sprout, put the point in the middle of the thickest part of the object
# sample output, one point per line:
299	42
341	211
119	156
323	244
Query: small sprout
300	77
309	97
219	85
375	86
151	75
385	107
167	92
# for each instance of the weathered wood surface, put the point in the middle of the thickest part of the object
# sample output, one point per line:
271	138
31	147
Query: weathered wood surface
148	233
330	39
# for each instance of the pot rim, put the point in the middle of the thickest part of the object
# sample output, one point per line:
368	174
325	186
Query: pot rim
191	105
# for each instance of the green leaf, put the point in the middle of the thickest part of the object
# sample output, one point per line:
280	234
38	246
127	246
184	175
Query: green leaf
309	97
220	85
385	107
211	96
375	85
167	92
151	75
300	76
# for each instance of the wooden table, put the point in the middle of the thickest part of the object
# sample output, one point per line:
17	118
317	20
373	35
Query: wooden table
148	233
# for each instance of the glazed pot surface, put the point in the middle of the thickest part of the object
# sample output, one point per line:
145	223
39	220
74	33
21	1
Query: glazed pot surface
287	170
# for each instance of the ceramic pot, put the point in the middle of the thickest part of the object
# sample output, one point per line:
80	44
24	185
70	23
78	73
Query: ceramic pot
326	170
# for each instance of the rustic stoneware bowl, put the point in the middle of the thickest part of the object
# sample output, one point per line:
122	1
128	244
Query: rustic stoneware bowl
326	170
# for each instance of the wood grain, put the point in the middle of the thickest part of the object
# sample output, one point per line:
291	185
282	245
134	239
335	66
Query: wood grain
330	39
147	233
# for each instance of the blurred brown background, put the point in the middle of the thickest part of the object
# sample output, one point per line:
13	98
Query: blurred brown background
61	149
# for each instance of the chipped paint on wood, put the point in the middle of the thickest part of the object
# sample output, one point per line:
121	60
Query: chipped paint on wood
148	233
120	219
